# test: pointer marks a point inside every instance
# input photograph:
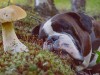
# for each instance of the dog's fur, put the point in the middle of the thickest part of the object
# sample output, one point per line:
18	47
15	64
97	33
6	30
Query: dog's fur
77	28
96	25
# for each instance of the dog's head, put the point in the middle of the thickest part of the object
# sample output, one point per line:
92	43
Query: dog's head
68	32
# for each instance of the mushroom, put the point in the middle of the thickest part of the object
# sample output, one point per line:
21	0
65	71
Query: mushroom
10	40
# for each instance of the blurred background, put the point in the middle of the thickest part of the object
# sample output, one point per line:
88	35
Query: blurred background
92	7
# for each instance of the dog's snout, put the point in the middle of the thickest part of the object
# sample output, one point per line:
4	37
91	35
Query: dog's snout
52	39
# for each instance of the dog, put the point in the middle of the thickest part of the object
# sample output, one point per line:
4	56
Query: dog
95	46
70	32
96	25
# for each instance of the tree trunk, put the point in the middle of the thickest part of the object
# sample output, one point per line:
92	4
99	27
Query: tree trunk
78	5
45	8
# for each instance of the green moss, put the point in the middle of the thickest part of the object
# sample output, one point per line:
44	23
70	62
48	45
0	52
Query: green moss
63	4
35	61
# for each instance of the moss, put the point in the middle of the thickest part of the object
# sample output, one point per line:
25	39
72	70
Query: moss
37	61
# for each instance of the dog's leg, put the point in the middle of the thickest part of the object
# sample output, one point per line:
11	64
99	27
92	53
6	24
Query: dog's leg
93	62
95	47
85	63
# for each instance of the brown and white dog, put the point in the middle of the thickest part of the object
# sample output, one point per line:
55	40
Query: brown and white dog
70	32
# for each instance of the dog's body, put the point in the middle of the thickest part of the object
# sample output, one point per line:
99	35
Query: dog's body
95	44
96	25
69	32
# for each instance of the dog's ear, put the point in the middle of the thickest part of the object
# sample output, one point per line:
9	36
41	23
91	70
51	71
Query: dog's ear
83	20
35	30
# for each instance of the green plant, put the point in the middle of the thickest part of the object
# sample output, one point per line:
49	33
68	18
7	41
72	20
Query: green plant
98	59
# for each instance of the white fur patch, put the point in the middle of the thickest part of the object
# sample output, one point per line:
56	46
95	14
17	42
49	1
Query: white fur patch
47	27
66	39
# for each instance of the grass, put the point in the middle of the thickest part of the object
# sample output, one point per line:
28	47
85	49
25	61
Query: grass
93	7
63	4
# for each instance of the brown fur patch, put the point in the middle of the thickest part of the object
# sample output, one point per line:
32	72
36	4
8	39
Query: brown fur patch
96	25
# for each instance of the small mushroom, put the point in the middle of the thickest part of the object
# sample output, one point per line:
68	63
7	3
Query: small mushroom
10	40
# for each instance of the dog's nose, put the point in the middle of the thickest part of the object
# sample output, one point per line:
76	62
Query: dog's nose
52	39
51	43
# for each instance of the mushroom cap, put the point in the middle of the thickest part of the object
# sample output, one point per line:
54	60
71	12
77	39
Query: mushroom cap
11	13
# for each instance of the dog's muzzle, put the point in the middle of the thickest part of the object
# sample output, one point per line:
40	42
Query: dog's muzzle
65	44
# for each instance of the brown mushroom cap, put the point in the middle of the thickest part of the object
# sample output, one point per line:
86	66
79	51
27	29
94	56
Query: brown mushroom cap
11	13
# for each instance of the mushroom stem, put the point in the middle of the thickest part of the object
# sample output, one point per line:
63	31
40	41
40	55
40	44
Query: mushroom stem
10	40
